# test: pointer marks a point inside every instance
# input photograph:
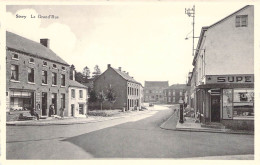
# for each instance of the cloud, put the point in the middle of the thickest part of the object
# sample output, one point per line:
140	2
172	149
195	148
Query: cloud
62	39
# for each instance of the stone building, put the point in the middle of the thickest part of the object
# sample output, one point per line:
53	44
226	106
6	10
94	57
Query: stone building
35	76
153	91
223	74
174	93
126	88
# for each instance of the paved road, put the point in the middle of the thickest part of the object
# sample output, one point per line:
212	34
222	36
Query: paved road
132	137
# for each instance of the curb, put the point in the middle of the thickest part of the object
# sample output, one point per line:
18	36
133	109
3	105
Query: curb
227	131
76	122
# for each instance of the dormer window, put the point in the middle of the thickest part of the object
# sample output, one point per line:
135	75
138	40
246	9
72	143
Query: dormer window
54	66
31	60
44	63
15	56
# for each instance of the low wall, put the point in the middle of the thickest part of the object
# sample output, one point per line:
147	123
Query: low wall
237	124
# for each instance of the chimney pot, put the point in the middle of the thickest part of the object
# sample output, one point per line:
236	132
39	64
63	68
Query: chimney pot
119	68
45	42
108	65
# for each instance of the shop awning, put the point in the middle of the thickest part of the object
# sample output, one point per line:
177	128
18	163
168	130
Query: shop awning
227	85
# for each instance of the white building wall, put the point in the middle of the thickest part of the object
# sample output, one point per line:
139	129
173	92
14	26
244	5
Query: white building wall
76	101
230	49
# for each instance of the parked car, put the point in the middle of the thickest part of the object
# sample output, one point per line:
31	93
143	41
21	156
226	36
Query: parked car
151	104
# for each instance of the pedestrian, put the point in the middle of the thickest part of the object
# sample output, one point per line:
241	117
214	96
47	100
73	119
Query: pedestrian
62	112
34	113
51	110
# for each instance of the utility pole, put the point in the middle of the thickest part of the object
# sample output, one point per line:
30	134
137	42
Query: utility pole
191	13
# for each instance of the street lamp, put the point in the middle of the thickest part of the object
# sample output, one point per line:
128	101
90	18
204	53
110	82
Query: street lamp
191	13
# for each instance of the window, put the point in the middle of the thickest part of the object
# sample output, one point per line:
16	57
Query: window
173	99
173	92
62	99
54	66
72	93
180	93
14	72
80	94
169	99
15	56
241	20
243	103
62	79
30	75
44	63
63	68
44	77
54	78
31	60
169	93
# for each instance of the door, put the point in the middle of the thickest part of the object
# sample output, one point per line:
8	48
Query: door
72	110
215	108
44	104
54	101
81	109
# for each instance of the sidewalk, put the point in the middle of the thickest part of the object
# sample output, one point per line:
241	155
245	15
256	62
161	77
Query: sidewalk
189	125
74	120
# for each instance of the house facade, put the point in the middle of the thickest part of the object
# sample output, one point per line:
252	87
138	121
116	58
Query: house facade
78	99
174	93
35	76
153	91
222	82
126	88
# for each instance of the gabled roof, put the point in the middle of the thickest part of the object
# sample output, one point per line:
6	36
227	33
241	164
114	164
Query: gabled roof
125	76
177	86
73	83
24	45
205	28
162	84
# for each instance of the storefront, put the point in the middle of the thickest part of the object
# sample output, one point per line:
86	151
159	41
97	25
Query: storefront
227	99
20	100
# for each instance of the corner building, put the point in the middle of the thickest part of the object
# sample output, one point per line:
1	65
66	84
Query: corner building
35	77
223	74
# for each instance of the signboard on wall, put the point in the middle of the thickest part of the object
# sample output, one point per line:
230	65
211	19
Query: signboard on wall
220	79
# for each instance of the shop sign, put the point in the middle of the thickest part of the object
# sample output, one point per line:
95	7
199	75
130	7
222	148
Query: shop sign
215	79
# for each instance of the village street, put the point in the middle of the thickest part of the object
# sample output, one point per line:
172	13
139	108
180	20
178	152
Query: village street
137	136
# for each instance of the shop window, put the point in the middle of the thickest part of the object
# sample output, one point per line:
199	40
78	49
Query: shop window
62	79
243	103
44	77
54	78
14	72
241	20
227	104
30	75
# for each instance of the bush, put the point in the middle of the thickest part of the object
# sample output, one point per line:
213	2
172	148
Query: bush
104	113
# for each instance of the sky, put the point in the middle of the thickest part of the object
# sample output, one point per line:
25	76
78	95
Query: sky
145	39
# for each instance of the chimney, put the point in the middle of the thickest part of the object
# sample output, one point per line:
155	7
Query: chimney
73	75
45	42
108	66
127	73
119	68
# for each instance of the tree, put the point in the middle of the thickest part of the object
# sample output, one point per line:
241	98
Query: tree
96	72
101	98
92	96
86	73
111	95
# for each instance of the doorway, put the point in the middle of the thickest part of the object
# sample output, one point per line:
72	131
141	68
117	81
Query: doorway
72	110
44	104
54	101
215	108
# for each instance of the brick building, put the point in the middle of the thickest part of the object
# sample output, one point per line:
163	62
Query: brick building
127	89
153	91
35	76
175	93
